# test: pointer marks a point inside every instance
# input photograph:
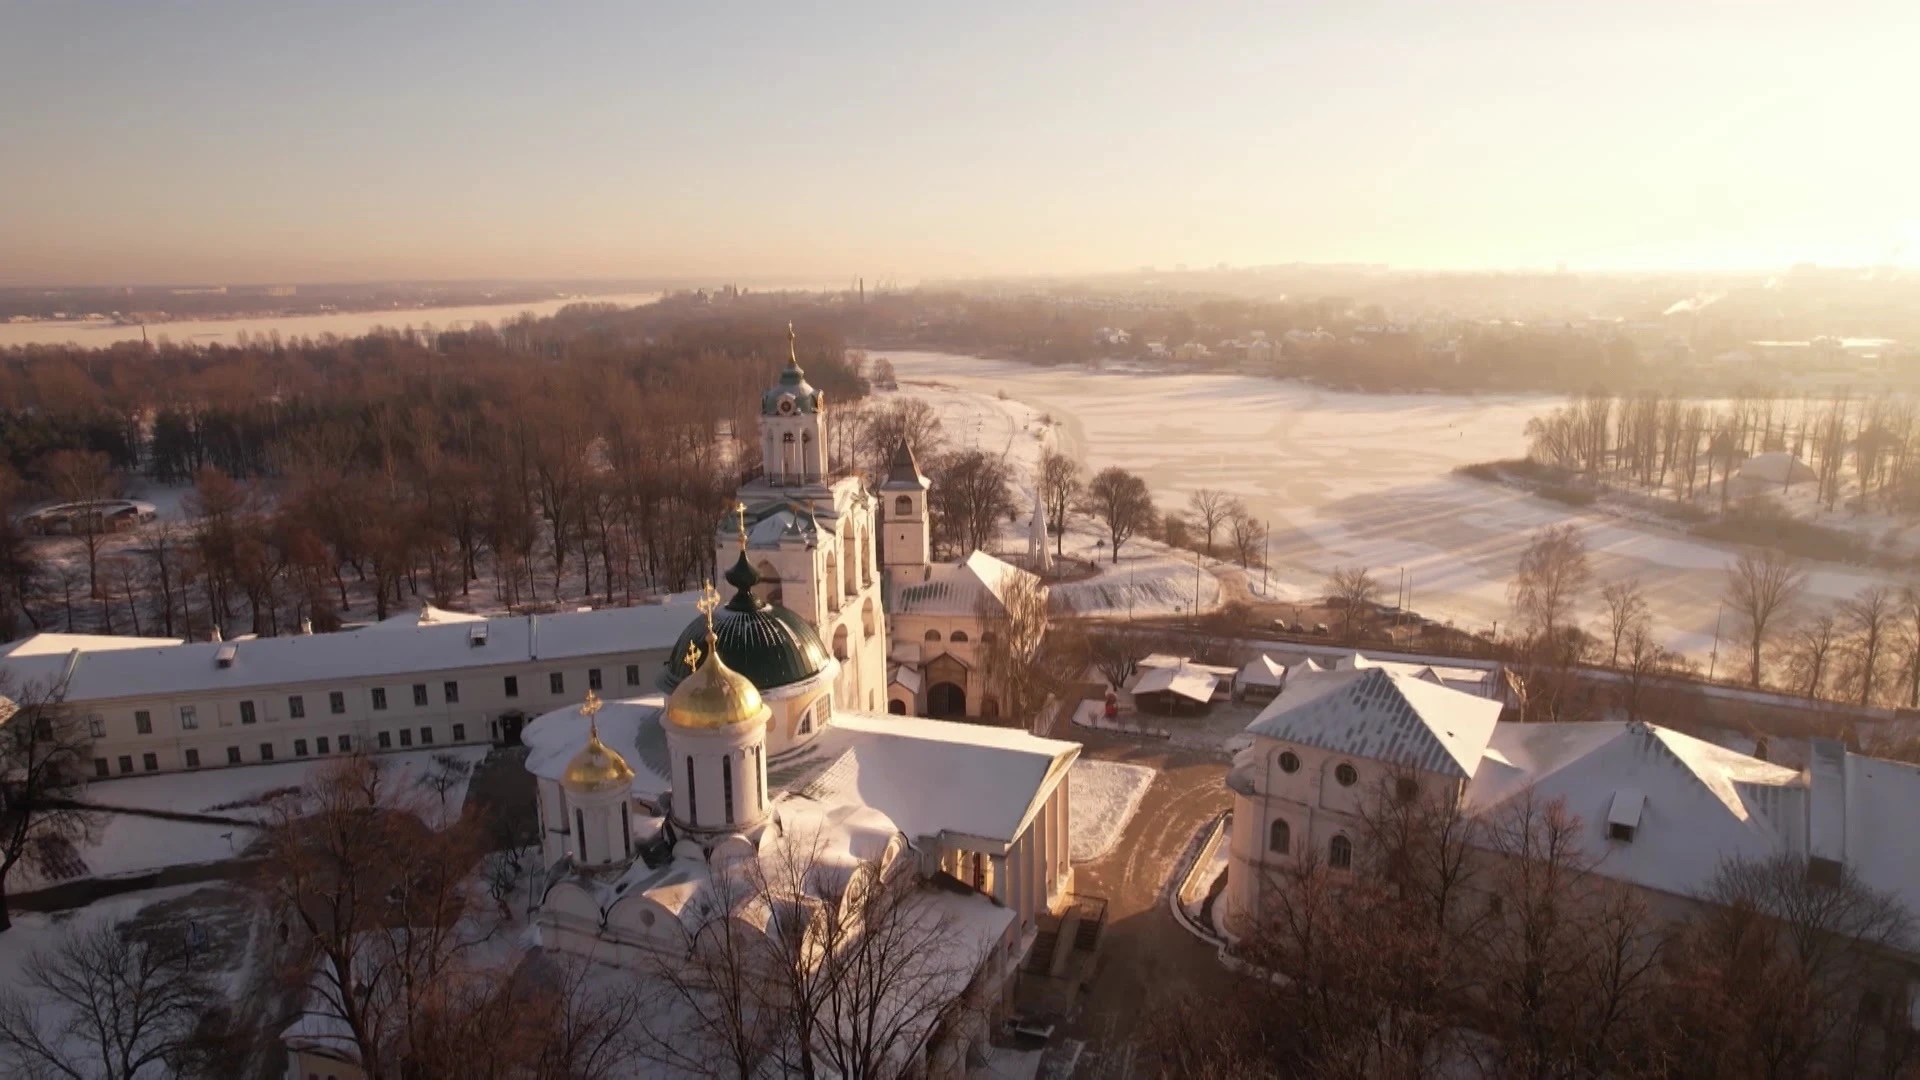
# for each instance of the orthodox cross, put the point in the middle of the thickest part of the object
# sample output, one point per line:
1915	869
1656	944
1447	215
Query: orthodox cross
590	709
709	600
740	508
792	356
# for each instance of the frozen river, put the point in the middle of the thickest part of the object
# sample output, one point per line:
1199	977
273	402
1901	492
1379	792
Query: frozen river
1349	479
340	324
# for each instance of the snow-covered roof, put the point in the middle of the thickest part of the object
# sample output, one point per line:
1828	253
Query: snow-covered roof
1774	467
631	727
1882	798
1690	804
150	667
1440	673
428	615
42	660
1263	670
957	588
1184	681
929	776
1377	713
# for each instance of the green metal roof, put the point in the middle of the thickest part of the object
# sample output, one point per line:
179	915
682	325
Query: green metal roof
769	644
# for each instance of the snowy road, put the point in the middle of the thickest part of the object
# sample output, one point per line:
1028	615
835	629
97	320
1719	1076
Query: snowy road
1344	479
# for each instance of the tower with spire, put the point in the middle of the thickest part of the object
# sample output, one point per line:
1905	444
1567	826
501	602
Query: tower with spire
903	508
793	445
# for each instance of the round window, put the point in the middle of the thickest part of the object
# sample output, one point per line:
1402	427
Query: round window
1289	761
1346	774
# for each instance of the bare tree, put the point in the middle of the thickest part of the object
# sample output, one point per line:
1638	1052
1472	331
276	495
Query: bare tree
1014	631
972	494
1761	586
1121	501
1811	651
444	774
84	477
379	905
1626	605
44	752
104	1003
905	419
1351	589
1777	977
1212	509
1647	660
1249	536
1868	618
1060	492
1553	572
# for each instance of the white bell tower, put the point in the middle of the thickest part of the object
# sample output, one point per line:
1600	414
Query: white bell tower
907	547
793	444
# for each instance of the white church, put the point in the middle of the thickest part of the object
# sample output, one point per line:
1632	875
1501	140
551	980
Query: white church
781	723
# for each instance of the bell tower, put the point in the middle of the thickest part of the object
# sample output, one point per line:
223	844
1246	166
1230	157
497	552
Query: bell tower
907	543
793	445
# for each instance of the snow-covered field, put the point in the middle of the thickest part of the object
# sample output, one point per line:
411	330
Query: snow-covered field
1101	798
1345	479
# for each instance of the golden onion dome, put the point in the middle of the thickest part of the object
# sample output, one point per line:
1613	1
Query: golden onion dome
597	767
715	695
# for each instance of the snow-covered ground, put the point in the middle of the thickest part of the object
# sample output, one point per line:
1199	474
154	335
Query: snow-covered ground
241	793
1101	798
1344	479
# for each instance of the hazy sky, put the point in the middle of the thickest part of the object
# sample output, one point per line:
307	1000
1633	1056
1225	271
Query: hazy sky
251	141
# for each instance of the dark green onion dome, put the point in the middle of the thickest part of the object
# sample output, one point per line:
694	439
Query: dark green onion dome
793	383
769	644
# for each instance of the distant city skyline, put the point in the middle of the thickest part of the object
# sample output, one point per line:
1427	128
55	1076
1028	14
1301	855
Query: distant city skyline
257	143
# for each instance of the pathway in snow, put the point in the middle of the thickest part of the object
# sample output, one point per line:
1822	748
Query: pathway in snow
1101	798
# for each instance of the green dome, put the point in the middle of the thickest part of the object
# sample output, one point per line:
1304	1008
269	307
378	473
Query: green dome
769	644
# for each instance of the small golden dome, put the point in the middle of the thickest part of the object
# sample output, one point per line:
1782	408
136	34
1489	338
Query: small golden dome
596	767
715	696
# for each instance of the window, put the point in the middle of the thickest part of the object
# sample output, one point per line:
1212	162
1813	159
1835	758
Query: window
459	733
379	697
1406	789
297	707
100	768
143	720
426	736
593	678
406	736
247	713
96	727
336	702
1279	837
451	691
1621	831
693	801
1289	761
1346	774
299	748
150	762
513	686
126	763
193	759
386	740
580	831
626	836
556	683
933	635
320	744
1340	853
959	636
346	744
726	786
806	723
233	755
266	751
903	506
987	637
420	695
633	674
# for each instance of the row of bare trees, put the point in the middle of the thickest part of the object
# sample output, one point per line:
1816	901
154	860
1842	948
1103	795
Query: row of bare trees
1494	946
1666	443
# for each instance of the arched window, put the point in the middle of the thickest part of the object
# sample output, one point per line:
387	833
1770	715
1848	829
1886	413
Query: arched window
1340	853
933	635
806	723
903	507
840	642
959	636
580	826
1346	774
897	707
787	438
726	785
987	637
1279	837
693	804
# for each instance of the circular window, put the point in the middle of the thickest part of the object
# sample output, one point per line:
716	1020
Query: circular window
1346	774
1289	761
786	406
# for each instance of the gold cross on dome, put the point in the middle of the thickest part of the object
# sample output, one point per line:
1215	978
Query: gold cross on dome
590	708
709	600
792	355
693	656
740	508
